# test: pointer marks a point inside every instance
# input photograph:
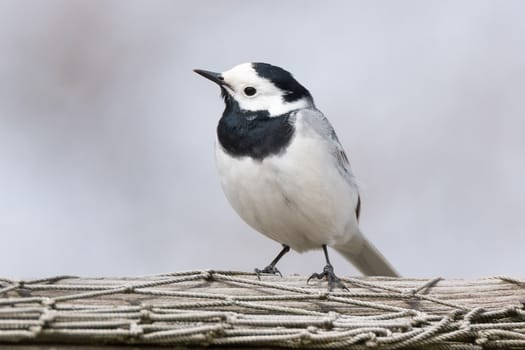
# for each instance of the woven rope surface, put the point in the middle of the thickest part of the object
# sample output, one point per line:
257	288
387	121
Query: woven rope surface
207	308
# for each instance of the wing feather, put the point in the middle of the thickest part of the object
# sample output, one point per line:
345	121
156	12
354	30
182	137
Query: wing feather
320	124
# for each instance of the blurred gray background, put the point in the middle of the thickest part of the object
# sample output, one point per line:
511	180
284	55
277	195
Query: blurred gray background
106	135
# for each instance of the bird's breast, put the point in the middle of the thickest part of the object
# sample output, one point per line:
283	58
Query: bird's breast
296	197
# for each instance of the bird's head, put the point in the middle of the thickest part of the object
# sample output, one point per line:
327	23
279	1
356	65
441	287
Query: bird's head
261	87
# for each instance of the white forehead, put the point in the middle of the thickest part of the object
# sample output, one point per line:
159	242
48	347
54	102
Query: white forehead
243	74
269	97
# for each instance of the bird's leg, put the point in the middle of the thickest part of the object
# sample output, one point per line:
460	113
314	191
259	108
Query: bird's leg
271	268
328	272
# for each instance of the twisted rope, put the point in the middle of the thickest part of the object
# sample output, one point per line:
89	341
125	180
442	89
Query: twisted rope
207	308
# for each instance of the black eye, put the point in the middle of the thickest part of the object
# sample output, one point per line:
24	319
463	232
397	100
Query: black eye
250	91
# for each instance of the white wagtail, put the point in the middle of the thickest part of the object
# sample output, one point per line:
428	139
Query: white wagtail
284	171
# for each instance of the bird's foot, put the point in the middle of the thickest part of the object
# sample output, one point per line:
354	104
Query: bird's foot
333	280
270	269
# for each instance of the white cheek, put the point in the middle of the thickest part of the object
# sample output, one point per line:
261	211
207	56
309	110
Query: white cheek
275	105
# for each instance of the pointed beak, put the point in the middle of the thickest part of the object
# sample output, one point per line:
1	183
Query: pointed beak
215	77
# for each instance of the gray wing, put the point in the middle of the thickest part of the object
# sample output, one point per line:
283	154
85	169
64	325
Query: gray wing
317	123
321	126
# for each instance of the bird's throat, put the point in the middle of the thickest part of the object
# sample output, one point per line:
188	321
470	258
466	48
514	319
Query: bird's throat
253	133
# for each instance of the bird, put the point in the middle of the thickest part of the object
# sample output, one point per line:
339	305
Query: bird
284	171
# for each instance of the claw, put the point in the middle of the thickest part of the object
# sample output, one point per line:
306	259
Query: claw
319	276
333	280
269	270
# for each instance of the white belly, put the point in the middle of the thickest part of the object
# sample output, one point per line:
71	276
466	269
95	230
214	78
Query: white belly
297	198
